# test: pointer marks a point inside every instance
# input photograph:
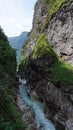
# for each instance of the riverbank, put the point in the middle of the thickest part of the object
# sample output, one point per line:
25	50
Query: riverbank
27	113
32	111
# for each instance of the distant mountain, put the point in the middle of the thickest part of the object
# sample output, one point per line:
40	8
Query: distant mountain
17	42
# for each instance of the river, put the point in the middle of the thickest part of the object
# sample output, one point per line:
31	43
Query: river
40	118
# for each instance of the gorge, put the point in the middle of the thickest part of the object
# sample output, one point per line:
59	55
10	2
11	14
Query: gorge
39	96
42	123
17	43
47	64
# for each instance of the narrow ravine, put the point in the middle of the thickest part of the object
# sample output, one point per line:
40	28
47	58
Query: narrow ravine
37	107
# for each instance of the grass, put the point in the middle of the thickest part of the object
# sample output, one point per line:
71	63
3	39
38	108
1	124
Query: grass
42	48
62	73
52	7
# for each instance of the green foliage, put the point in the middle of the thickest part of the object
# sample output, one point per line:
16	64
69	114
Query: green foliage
2	35
2	73
9	116
7	125
7	56
24	47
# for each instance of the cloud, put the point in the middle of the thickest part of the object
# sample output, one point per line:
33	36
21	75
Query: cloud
18	26
16	16
12	21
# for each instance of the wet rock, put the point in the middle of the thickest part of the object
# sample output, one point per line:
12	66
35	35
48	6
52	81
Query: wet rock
27	113
54	96
69	124
28	116
71	97
17	78
58	100
34	96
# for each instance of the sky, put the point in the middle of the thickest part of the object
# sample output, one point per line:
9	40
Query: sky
16	16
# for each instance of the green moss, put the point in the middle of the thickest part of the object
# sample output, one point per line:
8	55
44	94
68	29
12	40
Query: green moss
24	47
52	7
61	73
44	59
42	48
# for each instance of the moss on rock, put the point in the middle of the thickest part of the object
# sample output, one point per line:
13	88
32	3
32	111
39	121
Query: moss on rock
42	49
62	73
45	61
52	7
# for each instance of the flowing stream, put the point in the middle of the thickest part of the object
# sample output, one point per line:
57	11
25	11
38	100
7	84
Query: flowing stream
37	107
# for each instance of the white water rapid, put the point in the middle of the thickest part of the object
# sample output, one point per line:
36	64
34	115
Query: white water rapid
40	118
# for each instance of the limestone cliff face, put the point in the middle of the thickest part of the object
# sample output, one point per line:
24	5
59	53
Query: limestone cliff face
60	32
40	14
45	72
59	29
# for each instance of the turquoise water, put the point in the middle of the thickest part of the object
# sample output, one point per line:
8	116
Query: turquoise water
18	56
37	107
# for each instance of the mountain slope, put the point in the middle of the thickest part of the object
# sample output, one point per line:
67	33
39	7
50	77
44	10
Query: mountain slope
49	45
17	42
9	115
7	56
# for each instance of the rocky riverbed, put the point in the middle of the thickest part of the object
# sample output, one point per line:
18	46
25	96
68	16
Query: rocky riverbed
27	113
32	111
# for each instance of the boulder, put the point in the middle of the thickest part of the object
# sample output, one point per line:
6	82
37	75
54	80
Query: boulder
34	95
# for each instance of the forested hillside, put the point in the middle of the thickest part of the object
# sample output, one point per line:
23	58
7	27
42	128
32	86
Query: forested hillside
7	57
9	115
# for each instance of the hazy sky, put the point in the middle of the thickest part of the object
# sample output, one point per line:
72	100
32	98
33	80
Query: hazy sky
16	16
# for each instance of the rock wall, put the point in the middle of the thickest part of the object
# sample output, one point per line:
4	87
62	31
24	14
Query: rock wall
40	14
60	32
57	97
59	29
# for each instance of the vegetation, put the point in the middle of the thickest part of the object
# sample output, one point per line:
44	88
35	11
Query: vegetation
61	73
24	47
9	115
7	57
52	7
42	48
17	43
44	58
